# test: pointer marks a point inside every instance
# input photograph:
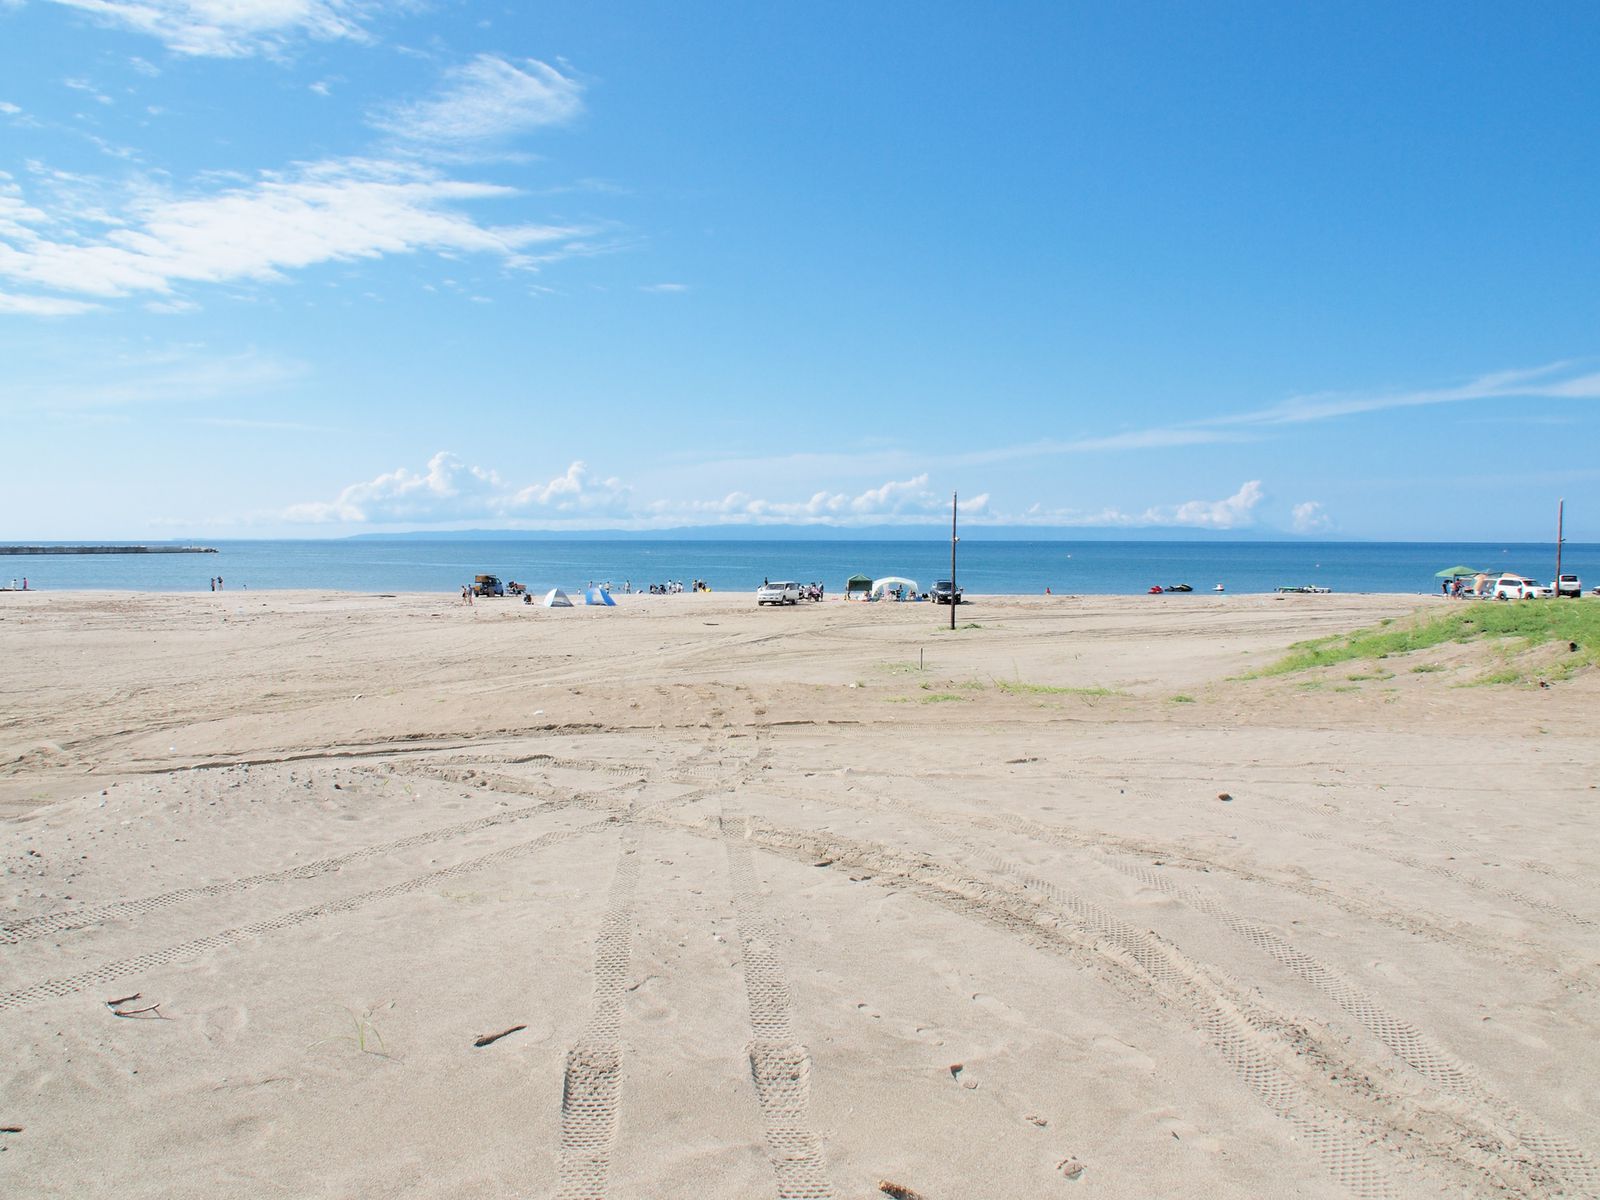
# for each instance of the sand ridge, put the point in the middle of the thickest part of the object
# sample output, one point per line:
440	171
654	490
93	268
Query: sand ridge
786	902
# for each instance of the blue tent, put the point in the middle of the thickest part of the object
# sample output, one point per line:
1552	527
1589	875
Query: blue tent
599	596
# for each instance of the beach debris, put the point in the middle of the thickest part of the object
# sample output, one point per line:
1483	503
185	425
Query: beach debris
10	1128
1036	1119
124	1000
135	1012
1011	761
824	862
1072	1168
1224	796
489	1039
898	1191
956	1069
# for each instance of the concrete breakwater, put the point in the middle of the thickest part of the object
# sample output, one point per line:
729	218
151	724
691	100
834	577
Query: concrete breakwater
108	550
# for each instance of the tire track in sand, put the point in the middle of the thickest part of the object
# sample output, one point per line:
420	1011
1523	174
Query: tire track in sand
195	947
780	1066
1552	1155
592	1082
80	918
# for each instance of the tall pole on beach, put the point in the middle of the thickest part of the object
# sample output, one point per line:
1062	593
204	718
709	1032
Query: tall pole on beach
954	594
1561	512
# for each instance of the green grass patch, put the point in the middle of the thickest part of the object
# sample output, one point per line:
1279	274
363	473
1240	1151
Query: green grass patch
1363	676
1525	623
1427	668
1180	698
939	698
1017	688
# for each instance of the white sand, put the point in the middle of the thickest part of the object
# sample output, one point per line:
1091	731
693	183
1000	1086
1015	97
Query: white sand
755	884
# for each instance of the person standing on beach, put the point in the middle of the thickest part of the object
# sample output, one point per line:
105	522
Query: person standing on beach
213	583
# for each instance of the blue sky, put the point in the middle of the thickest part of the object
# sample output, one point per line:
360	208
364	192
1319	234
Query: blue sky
318	267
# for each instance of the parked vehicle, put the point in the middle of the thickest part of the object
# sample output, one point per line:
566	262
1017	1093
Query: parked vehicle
1520	587
945	592
778	592
487	585
1568	585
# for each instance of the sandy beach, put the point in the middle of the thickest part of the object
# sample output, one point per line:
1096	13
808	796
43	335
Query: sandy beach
800	902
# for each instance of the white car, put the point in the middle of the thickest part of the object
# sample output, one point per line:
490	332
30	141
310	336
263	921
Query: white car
1568	585
1519	587
773	592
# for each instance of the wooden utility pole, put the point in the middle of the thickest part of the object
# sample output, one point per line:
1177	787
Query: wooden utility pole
955	595
1561	512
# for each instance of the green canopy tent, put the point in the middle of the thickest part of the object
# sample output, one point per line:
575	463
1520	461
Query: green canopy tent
855	584
1457	573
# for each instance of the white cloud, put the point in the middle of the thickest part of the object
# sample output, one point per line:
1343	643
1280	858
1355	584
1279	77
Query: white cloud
1233	513
487	98
233	28
42	306
9	108
908	501
450	490
664	288
1554	380
94	378
330	211
1310	517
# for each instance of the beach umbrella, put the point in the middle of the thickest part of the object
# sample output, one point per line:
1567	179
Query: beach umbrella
1456	573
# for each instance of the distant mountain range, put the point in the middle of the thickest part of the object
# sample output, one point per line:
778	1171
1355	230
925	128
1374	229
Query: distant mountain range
836	533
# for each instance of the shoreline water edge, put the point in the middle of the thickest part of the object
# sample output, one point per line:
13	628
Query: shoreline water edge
987	568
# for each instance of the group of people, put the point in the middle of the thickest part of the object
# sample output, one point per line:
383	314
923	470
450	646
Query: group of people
216	583
674	587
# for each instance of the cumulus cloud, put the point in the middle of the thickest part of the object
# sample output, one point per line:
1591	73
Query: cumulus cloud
234	28
451	490
330	211
486	99
1233	513
1310	517
908	501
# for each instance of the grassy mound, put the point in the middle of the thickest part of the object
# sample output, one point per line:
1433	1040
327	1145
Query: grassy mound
1514	625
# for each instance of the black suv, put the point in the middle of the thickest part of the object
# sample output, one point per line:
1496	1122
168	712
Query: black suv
945	592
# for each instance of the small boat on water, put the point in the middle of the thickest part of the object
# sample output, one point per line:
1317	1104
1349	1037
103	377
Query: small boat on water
1157	589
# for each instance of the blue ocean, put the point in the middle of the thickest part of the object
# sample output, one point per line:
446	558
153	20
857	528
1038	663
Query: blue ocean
983	567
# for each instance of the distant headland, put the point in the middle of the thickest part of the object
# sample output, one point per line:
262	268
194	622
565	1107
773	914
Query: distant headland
108	550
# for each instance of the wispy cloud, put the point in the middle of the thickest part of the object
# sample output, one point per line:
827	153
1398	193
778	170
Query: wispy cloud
485	100
42	306
235	28
176	375
253	425
1554	381
670	289
337	210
